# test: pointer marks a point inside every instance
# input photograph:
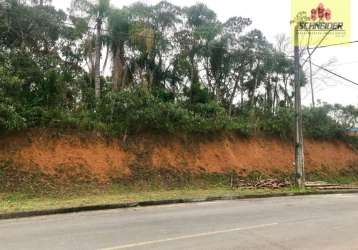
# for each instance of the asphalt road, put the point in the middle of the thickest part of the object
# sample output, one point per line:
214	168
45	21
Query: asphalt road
309	222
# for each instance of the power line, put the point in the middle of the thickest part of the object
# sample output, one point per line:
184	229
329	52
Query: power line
345	63
325	46
310	53
335	74
337	44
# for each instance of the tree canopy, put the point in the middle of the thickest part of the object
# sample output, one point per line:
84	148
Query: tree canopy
143	67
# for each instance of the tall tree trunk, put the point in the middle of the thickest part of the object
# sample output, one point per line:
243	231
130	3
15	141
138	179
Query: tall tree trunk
115	73
219	95
268	96
105	60
311	77
253	99
118	68
276	99
285	81
194	71
256	82
233	94
98	59
208	76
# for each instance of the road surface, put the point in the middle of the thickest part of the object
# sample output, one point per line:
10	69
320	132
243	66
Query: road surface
308	222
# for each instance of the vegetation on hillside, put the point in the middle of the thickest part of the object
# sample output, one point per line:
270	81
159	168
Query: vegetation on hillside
148	67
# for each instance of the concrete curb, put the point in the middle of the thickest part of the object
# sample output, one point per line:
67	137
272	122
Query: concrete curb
162	202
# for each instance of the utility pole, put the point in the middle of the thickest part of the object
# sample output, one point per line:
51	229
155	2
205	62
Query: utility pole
299	153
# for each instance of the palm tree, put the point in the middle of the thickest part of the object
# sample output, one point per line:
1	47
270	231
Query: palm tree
96	11
118	36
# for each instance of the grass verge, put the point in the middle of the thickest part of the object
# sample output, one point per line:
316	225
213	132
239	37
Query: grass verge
27	202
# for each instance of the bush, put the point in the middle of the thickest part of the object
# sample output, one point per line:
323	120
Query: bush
279	124
9	118
136	110
319	124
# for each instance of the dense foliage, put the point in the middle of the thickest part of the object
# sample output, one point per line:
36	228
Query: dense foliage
172	69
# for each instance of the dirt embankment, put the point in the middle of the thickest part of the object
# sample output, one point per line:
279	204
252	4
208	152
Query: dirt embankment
92	158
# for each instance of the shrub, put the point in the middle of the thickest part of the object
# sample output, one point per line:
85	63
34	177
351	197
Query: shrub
137	109
279	124
319	124
9	118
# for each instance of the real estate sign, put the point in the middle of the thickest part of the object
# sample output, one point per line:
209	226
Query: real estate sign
321	22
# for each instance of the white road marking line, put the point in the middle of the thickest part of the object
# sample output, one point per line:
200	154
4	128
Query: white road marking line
184	237
344	196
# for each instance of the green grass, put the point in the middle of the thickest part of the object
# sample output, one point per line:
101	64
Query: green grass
346	177
24	202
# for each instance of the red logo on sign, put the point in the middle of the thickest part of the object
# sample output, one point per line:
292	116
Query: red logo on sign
321	13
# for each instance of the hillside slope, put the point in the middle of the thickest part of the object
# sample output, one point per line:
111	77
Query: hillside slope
86	158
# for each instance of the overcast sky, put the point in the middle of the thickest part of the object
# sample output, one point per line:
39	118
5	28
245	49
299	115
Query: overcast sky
272	18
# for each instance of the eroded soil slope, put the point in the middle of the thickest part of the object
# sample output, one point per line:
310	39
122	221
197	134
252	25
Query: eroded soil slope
71	156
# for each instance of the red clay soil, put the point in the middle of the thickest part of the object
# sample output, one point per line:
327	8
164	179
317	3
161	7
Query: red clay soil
46	151
48	154
255	154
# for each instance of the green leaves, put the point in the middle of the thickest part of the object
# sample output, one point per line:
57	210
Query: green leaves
10	119
200	15
173	69
329	122
138	110
102	7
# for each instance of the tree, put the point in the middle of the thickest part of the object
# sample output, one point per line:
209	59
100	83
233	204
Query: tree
256	43
98	12
119	27
227	60
39	49
200	28
166	18
185	63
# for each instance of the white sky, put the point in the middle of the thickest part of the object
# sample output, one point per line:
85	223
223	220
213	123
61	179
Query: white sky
272	18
